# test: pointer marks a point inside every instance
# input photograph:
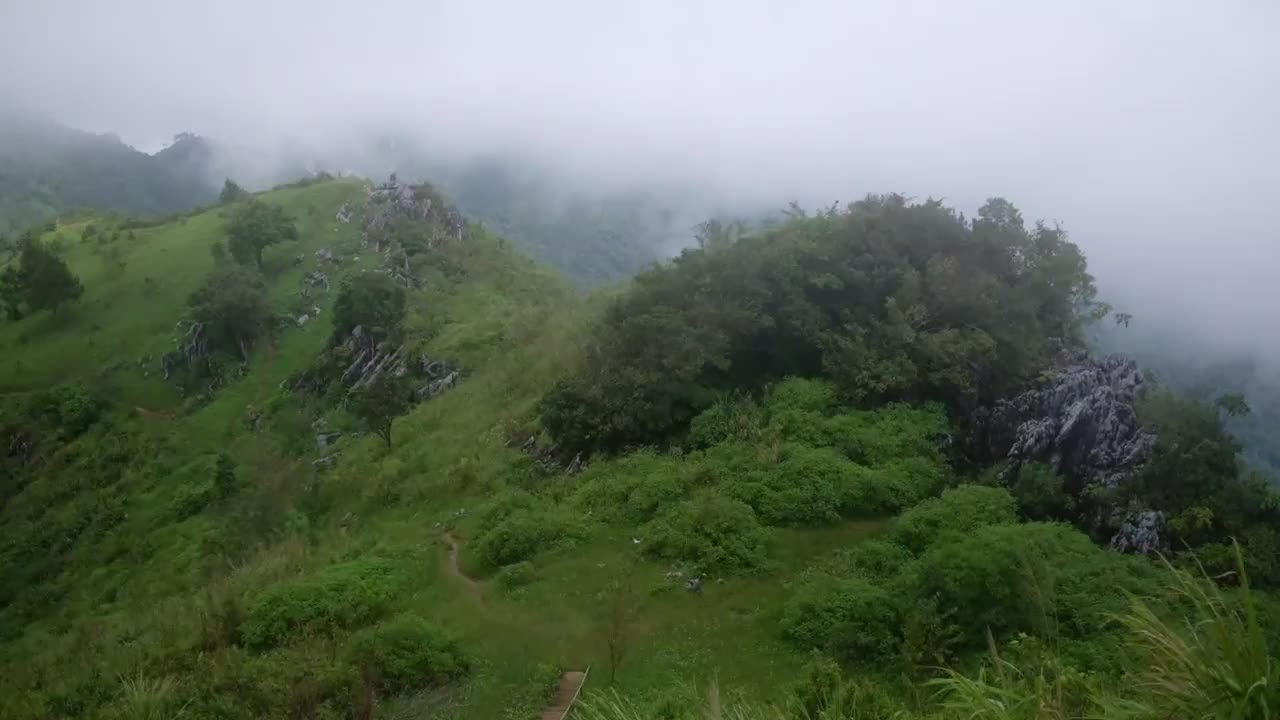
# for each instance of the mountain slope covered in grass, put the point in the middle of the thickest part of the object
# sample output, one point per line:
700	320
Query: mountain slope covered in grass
748	468
47	169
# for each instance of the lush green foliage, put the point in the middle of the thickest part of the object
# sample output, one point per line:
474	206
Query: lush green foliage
960	510
1196	479
710	532
406	654
522	532
889	299
255	226
379	403
232	192
39	281
338	597
232	305
370	301
256	555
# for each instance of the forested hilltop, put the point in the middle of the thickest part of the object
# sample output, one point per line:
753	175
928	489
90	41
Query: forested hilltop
336	451
47	169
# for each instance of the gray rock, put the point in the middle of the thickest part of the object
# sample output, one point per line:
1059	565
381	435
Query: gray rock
327	461
1143	533
693	584
193	345
1083	422
314	280
325	439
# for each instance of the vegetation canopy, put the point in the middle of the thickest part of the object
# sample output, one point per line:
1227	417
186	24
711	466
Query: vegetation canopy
752	483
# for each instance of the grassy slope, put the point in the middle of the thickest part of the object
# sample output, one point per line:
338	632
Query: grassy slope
130	604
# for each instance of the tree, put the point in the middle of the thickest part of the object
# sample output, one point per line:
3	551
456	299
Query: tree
615	625
379	403
224	476
255	226
231	192
232	304
1233	404
369	300
40	281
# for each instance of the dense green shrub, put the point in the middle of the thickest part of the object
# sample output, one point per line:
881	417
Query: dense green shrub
633	488
854	618
338	597
502	505
516	575
875	560
958	510
888	299
887	490
808	486
407	653
1039	493
793	404
524	533
824	692
72	408
1258	547
256	225
371	301
887	434
1032	577
730	419
713	532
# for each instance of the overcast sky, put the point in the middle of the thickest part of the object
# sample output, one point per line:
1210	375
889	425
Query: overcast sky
1148	127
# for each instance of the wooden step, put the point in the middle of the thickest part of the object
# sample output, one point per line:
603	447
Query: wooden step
570	686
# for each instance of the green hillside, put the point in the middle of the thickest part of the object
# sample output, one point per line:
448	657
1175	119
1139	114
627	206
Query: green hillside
749	471
47	169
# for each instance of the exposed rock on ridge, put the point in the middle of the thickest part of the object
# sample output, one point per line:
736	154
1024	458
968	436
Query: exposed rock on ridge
1083	422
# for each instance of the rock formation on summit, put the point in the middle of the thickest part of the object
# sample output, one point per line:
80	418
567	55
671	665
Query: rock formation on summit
1083	422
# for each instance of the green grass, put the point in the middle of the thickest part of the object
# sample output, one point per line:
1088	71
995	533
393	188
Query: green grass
120	625
127	314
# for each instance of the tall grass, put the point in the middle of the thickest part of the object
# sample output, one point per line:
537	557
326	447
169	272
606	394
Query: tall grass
1207	661
149	698
612	706
1003	691
1212	663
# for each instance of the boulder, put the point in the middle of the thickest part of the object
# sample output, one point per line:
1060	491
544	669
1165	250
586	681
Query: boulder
1082	420
325	439
1143	533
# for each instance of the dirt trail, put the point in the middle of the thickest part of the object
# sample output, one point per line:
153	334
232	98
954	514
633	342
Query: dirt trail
451	567
570	683
570	686
153	413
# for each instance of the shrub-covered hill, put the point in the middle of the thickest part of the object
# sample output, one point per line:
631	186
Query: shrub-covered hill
394	469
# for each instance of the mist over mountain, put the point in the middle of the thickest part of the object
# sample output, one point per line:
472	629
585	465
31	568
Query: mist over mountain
892	359
47	168
1145	128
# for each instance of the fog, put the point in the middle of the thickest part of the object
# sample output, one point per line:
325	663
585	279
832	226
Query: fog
1147	127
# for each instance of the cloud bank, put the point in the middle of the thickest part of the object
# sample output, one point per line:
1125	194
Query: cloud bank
1147	127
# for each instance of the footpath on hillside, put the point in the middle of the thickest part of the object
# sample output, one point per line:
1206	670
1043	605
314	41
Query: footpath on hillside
571	682
474	590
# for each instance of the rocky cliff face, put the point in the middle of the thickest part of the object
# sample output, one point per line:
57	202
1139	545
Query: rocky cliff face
1083	422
